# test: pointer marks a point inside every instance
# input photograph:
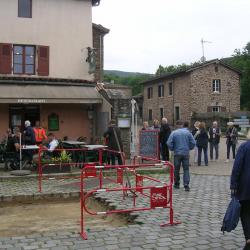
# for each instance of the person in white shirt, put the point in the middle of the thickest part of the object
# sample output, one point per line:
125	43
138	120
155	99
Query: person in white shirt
53	142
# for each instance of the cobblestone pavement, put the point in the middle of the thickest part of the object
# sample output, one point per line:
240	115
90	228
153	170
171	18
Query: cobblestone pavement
200	211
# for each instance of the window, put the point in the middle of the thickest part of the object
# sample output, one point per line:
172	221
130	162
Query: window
170	88
150	92
25	8
161	112
216	86
24	59
177	113
160	90
216	109
150	115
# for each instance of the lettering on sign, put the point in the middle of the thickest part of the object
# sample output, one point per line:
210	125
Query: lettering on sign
158	197
149	143
31	100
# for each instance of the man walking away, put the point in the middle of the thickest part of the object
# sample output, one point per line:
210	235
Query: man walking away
181	141
114	142
214	140
164	134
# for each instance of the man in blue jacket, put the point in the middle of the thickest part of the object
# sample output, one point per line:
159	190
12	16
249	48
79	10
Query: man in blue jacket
240	185
181	141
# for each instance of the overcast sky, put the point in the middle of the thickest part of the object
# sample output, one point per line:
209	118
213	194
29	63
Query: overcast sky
146	33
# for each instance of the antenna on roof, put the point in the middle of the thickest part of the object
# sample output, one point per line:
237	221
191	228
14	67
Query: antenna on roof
203	58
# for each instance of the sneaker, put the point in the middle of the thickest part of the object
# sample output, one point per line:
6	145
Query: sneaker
227	160
187	188
176	186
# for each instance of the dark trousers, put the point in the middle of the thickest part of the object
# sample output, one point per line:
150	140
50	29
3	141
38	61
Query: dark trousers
205	155
113	157
164	152
214	146
245	218
184	161
233	146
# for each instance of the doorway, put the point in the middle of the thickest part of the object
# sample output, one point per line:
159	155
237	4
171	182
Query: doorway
20	113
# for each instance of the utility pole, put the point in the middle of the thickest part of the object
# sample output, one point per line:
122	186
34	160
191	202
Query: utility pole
203	58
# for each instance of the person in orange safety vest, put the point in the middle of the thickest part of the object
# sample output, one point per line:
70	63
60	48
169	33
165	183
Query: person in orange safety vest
40	133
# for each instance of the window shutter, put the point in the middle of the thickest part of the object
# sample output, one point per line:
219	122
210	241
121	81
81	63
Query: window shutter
223	109
219	86
5	58
209	109
43	61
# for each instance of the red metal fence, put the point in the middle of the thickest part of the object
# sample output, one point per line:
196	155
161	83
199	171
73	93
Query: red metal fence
160	195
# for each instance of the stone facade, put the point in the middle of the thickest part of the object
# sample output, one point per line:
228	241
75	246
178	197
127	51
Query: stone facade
192	92
98	34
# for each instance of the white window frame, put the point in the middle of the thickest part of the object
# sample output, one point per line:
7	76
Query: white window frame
216	86
216	109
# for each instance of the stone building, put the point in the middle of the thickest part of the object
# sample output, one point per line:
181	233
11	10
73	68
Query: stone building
209	87
49	64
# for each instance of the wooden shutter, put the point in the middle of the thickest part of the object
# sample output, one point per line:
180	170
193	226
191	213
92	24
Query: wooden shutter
223	109
209	109
43	61
5	58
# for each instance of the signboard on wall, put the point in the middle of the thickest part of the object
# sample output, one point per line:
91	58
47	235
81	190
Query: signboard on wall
149	143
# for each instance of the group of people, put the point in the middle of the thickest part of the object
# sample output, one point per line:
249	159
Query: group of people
30	136
182	140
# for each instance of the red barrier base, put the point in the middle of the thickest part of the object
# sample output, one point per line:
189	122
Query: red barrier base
84	235
171	224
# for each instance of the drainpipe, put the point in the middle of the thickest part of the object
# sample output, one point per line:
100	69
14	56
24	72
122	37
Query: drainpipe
173	105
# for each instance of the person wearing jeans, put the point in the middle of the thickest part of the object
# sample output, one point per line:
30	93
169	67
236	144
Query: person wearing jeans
240	186
181	141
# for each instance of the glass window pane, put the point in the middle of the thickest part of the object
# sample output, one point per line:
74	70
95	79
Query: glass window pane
18	50
29	69
18	59
24	8
18	68
29	50
29	60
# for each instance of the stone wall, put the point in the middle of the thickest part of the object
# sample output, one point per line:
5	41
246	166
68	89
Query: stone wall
202	95
121	107
193	93
98	39
168	102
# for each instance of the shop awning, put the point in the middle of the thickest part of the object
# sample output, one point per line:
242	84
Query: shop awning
14	93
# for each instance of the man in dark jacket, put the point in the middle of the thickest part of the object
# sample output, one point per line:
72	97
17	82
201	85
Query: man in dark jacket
164	134
114	142
214	140
240	186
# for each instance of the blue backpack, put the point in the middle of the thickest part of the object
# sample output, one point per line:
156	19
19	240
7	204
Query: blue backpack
232	216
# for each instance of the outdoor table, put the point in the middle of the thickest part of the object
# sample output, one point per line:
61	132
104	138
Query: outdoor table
94	152
77	156
26	147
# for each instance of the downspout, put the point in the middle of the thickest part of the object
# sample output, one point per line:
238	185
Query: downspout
173	105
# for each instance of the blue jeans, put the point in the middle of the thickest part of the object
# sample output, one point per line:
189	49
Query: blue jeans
184	161
214	146
205	155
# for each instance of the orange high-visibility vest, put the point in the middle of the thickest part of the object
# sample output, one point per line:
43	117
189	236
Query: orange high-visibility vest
40	134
